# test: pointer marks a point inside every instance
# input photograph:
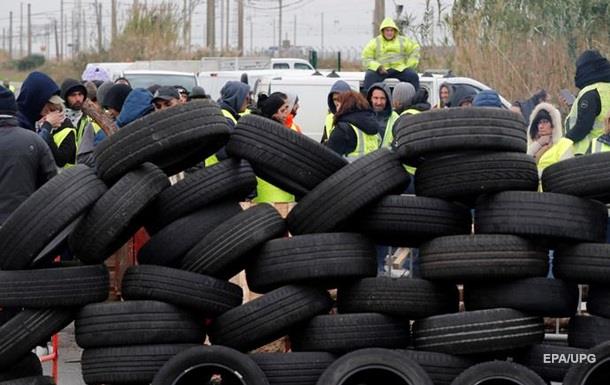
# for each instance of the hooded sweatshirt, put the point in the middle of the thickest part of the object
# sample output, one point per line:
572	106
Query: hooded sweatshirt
548	111
75	115
137	104
384	115
487	98
338	87
399	53
343	139
232	97
35	92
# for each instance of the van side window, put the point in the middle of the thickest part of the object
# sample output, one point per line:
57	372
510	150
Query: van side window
281	66
301	66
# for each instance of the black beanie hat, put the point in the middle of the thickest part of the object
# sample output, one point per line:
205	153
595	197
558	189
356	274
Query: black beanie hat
115	97
542	114
8	106
591	67
269	105
71	85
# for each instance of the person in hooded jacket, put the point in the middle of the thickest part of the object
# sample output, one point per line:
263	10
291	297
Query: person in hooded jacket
462	97
585	122
137	104
74	94
380	99
444	95
487	98
356	131
333	96
59	133
234	99
36	90
293	105
390	55
544	130
526	107
26	162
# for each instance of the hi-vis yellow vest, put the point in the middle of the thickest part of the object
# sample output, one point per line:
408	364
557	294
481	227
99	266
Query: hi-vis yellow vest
365	144
60	136
584	146
388	135
410	111
329	124
213	159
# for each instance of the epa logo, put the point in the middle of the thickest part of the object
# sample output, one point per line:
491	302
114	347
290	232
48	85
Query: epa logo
581	358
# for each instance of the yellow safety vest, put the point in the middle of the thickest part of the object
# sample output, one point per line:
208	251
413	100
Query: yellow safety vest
365	144
60	136
410	111
388	135
329	124
212	160
584	146
599	147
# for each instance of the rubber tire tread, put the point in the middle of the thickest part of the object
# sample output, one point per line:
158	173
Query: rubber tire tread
229	179
168	246
584	263
407	220
537	214
480	331
31	380
598	301
466	176
533	358
295	368
582	176
442	368
499	369
342	369
27	329
205	295
485	257
321	260
135	323
404	298
459	130
535	296
126	364
283	157
54	287
46	213
347	191
268	317
578	373
116	216
342	333
229	248
586	332
173	139
28	365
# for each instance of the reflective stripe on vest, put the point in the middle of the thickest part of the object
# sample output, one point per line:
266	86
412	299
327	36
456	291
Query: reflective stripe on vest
365	144
213	159
388	135
329	124
410	111
229	115
389	58
80	128
60	136
584	146
599	147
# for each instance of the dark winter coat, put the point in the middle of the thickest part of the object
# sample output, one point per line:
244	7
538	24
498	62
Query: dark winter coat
35	92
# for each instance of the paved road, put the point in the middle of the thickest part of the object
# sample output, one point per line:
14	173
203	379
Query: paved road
69	359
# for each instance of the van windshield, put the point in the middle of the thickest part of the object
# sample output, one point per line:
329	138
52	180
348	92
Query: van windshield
147	80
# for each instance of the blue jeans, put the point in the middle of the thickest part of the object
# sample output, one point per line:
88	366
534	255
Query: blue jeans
409	76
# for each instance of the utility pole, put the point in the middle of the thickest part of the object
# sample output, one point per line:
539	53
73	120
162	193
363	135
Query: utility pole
4	39
227	25
222	25
10	35
279	46
274	32
99	25
189	31
240	27
61	30
294	35
85	40
378	15
57	53
251	37
21	32
322	31
114	25
76	18
29	29
211	25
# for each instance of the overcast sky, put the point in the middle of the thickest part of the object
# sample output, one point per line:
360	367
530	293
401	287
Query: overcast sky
347	23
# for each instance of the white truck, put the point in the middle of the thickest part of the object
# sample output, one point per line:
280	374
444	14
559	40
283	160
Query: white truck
246	63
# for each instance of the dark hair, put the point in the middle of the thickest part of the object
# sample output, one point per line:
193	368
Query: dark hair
269	105
351	101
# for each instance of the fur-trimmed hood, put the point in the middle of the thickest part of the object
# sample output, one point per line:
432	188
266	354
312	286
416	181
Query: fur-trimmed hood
555	120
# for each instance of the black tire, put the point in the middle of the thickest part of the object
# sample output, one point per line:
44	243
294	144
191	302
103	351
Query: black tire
582	176
206	295
269	317
199	364
544	215
459	130
535	296
46	288
127	364
32	380
462	258
537	358
135	323
342	333
593	370
293	368
503	371
464	177
45	214
404	298
173	139
228	180
374	366
598	301
28	365
407	221
583	263
284	158
321	260
478	331
587	331
442	368
27	329
227	250
170	245
350	189
116	216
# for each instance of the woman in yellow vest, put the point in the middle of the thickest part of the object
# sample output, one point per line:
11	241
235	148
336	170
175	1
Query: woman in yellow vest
356	131
58	132
333	96
274	107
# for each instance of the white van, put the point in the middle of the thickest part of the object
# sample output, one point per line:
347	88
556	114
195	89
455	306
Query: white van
147	78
